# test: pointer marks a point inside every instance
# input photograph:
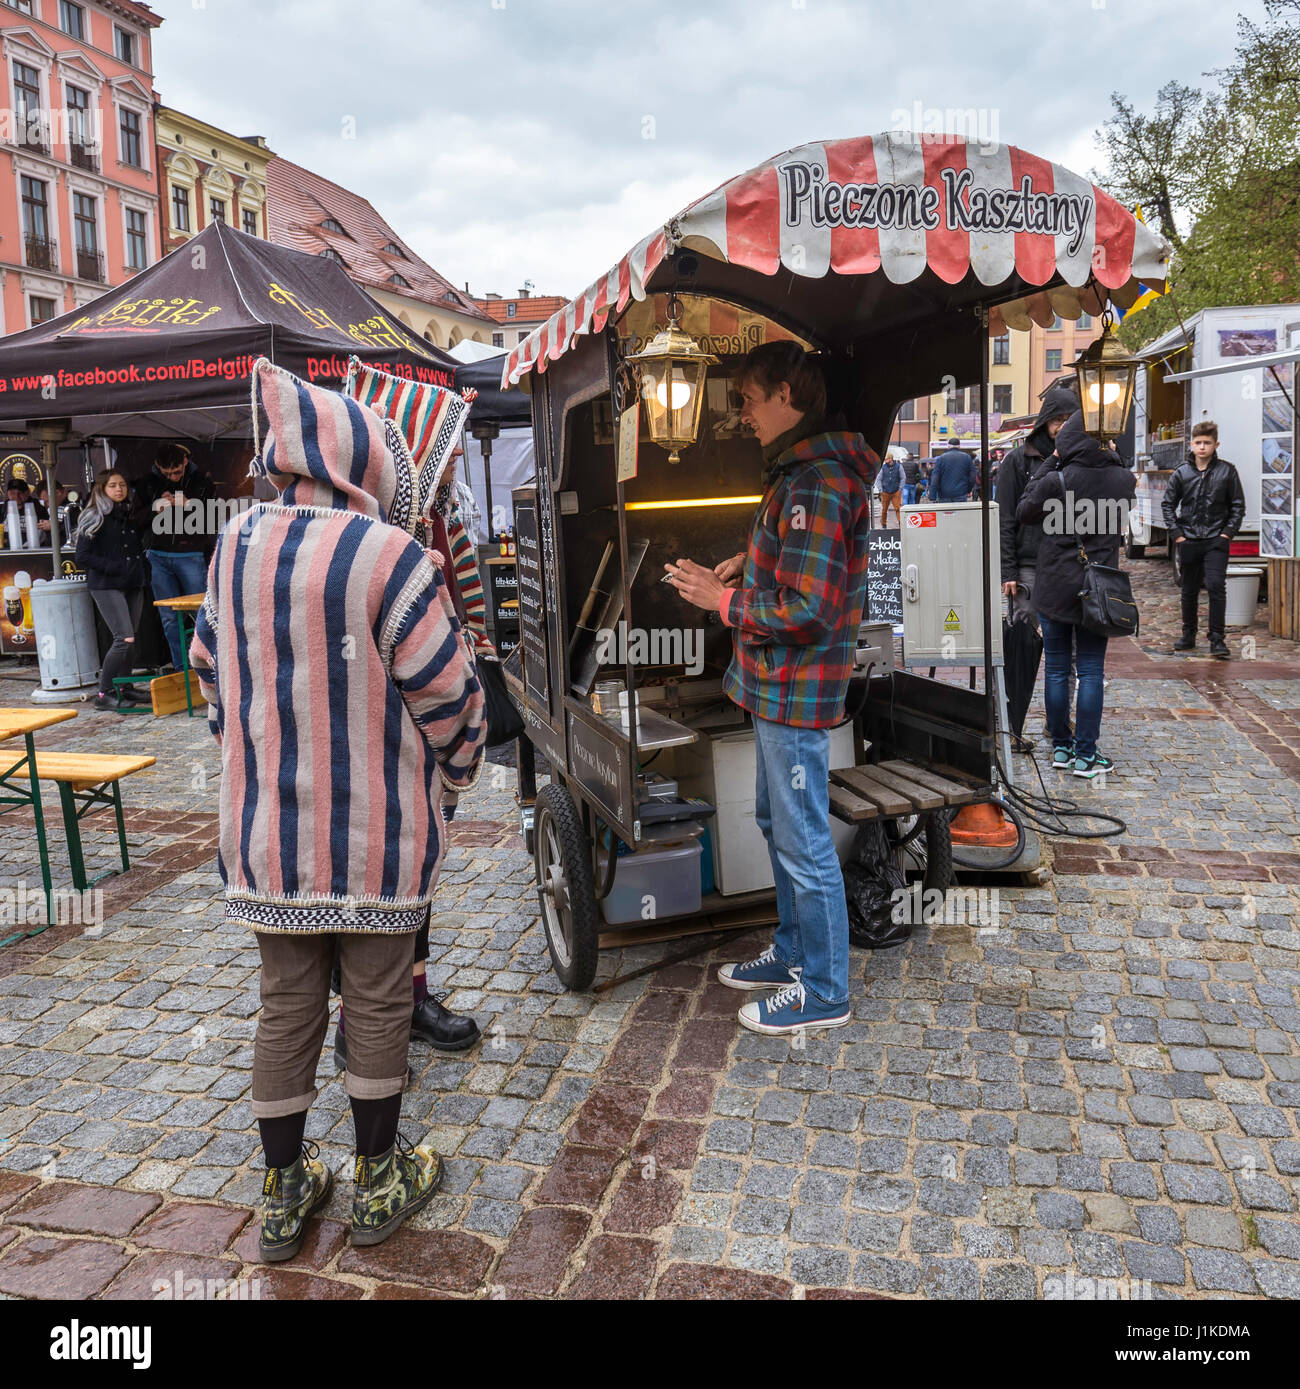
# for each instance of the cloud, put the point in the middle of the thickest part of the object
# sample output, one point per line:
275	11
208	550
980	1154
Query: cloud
539	139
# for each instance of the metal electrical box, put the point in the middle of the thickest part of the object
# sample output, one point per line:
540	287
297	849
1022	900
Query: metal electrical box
943	618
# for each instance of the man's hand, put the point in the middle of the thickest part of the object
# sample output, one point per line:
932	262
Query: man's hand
730	569
1009	588
1179	540
698	585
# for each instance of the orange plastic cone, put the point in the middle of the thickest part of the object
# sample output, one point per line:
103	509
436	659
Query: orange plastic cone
984	826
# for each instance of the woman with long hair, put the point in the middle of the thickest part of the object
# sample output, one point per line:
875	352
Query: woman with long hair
111	551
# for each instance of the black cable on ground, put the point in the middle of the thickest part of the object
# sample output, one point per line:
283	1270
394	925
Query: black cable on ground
1060	809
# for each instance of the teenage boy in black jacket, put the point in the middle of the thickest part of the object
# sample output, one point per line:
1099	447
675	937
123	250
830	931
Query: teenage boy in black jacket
1203	508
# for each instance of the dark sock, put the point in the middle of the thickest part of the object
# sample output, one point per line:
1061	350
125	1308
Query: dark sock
282	1139
420	987
375	1122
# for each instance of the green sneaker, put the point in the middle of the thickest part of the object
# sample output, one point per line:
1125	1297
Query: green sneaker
290	1197
390	1187
1062	756
1090	767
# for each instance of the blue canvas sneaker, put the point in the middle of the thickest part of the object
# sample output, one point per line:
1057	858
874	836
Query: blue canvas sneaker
766	972
790	1011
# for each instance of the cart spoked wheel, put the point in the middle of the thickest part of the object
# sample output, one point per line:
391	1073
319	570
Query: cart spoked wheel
923	844
564	887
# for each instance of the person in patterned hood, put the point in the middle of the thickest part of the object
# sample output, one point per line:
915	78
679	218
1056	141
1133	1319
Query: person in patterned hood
342	693
794	601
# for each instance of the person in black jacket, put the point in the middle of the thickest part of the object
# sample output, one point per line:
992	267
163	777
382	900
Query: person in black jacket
1020	542
1081	498
110	550
170	507
1204	507
911	480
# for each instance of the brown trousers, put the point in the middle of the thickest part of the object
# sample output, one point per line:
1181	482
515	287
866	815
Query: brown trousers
376	972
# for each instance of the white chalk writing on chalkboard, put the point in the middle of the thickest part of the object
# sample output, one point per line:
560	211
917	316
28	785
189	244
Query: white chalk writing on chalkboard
884	576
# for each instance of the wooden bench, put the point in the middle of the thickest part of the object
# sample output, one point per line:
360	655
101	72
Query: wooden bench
894	789
87	780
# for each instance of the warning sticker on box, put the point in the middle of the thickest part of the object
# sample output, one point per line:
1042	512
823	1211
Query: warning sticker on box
923	518
952	619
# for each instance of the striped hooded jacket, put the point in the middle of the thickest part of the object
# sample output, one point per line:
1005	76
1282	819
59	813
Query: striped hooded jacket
800	600
339	683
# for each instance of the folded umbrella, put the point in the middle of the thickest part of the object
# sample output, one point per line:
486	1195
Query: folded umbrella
1022	650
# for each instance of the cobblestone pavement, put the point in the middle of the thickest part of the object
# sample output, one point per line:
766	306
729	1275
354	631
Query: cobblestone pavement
1105	1085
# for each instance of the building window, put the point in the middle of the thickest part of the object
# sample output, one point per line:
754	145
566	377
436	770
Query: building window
41	252
72	19
181	208
1056	323
331	225
1002	350
510	310
498	339
1053	359
907	412
523	333
137	239
25	6
400	282
1085	321
250	221
393	249
85	226
80	149
130	127
216	210
42	310
124	44
1001	400
329	253
30	130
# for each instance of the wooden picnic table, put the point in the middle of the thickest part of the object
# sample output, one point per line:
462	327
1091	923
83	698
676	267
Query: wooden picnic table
184	607
23	723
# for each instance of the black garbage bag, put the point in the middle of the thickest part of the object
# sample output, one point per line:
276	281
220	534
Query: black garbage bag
1022	651
875	888
502	718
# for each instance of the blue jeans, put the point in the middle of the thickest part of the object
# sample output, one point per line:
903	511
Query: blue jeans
172	575
909	494
792	808
1061	640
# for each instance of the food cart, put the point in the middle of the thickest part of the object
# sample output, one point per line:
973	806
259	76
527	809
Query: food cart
895	258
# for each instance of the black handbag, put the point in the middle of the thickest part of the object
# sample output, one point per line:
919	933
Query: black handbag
1107	598
503	722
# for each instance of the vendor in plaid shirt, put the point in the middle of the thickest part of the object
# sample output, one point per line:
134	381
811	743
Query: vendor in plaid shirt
794	601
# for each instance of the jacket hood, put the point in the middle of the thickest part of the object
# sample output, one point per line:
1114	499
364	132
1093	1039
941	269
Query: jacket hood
321	449
1061	399
850	451
1074	445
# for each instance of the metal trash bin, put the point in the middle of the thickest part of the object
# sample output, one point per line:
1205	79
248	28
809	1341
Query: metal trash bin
63	615
1243	594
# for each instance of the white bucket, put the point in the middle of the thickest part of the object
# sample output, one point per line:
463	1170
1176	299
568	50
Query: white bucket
1243	595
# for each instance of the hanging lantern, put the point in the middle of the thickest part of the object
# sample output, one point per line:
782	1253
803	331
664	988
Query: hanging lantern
673	369
1107	375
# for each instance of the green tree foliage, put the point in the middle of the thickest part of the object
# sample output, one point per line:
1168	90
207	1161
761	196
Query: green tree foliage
1217	170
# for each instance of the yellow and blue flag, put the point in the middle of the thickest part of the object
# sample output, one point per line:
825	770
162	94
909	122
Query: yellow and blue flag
1148	296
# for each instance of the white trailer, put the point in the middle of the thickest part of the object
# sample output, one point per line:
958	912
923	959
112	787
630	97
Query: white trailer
1214	380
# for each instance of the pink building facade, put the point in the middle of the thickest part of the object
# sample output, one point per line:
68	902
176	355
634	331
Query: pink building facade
78	178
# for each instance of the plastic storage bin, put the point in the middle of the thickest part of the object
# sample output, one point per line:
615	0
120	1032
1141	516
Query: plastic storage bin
1242	595
655	884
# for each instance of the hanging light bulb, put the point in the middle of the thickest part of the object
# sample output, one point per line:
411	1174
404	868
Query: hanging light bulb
681	394
673	369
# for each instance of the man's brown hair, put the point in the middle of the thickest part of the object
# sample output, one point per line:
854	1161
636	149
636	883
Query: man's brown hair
1202	427
776	362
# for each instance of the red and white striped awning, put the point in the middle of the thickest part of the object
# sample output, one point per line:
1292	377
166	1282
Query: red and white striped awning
899	204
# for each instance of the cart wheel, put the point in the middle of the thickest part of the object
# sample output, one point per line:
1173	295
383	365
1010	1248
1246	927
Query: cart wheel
938	851
564	887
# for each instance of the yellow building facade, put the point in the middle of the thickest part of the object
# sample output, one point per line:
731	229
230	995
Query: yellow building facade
209	175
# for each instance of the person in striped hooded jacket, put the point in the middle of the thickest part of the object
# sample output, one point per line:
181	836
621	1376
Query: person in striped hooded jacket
341	689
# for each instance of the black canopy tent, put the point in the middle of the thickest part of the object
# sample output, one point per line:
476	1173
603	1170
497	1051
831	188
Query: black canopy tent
168	354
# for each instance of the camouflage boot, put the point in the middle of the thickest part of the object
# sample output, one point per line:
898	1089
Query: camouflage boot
390	1187
290	1197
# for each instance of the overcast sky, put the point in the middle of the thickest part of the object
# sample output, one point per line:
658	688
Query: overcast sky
507	140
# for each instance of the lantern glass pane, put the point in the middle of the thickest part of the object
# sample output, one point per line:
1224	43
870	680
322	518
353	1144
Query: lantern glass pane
1090	396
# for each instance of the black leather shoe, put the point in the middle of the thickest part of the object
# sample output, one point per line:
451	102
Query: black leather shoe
1219	649
1185	643
442	1030
133	694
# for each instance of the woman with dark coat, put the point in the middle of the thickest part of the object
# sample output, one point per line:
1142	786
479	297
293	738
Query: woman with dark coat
1081	497
111	551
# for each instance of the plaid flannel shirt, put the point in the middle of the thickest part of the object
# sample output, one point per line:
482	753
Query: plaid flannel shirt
797	611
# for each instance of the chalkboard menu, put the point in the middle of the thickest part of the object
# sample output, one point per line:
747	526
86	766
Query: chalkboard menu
532	614
885	576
